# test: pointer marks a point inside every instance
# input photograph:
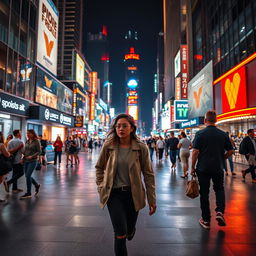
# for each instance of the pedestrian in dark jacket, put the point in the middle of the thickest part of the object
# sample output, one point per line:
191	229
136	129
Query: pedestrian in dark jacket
173	145
248	148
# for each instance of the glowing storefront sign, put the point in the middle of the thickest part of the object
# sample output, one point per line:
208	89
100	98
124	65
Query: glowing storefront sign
132	68
178	88
92	107
47	37
93	82
181	110
177	64
79	70
132	55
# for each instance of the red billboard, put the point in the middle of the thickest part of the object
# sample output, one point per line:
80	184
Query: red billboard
184	71
234	96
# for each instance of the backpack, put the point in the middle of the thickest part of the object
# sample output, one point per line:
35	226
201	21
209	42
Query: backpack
242	148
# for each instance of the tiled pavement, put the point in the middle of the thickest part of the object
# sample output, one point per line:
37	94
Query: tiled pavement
66	219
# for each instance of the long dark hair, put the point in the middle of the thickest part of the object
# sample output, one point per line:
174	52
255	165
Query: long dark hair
112	136
1	137
33	133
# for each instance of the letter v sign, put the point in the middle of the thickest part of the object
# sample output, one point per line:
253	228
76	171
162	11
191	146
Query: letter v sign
48	44
197	97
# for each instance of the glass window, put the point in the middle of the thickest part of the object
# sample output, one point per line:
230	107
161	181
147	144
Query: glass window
236	55
241	26
31	46
23	39
243	50
248	18
14	31
250	44
3	54
32	20
11	75
24	10
4	22
235	32
16	6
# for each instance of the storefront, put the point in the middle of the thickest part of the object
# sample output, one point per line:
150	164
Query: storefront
54	123
235	98
192	126
13	113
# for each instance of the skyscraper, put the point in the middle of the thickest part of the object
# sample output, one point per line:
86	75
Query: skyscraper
70	35
97	54
131	59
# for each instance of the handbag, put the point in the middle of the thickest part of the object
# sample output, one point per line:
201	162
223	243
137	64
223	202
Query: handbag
6	164
192	189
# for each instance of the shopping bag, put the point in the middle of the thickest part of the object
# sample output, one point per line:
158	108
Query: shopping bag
192	189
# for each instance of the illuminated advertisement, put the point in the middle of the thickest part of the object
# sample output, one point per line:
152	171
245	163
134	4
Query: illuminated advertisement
132	84
79	103
93	82
181	110
132	55
200	98
79	70
177	64
25	72
92	107
132	100
184	72
166	124
232	86
133	111
52	93
132	93
133	68
178	88
47	38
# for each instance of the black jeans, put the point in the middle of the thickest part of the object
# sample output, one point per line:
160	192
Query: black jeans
57	154
161	151
18	171
218	186
123	217
173	154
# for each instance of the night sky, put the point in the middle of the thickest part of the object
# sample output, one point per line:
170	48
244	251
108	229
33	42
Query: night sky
119	16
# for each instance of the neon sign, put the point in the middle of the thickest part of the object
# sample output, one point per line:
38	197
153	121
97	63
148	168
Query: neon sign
132	55
132	83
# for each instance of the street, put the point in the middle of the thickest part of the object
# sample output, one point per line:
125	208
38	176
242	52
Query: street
66	220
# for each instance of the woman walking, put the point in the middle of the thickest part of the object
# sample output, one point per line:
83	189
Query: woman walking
58	144
184	146
122	160
160	146
32	152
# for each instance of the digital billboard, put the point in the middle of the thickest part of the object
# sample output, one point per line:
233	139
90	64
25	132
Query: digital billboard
79	70
132	84
200	90
52	93
181	110
93	82
133	111
47	37
184	71
92	107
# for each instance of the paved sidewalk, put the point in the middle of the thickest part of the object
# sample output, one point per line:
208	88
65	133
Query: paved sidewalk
66	219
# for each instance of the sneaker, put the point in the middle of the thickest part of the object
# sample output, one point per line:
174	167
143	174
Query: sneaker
254	181
25	196
220	219
204	224
37	189
243	174
233	173
6	186
18	190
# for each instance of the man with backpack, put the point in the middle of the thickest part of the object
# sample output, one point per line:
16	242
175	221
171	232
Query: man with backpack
248	149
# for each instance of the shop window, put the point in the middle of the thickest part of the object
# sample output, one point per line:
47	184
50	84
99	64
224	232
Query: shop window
248	18
16	6
243	50
11	75
37	128
31	46
250	44
241	27
235	32
3	54
236	56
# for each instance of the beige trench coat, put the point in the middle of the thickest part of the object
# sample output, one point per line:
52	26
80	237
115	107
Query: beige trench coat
139	164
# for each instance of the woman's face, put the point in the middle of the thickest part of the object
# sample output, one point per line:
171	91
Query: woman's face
123	128
29	135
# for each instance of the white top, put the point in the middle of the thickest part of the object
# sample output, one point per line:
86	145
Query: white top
160	143
185	144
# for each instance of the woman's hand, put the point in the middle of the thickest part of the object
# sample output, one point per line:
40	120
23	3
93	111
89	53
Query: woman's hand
152	209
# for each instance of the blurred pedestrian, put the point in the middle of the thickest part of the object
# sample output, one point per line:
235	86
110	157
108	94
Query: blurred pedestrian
58	144
209	148
15	147
42	159
67	145
173	145
166	146
248	149
230	159
151	142
160	147
77	143
184	145
90	145
120	186
31	156
9	138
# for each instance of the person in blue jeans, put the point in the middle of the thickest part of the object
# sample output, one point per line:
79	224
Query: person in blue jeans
230	159
151	142
32	152
173	145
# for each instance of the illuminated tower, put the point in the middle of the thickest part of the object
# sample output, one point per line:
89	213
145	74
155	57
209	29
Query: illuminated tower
131	59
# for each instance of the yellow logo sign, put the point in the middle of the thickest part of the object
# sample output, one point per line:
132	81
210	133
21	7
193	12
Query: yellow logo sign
231	89
48	44
48	82
197	97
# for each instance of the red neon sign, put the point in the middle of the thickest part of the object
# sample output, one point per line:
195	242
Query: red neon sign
184	72
132	55
234	95
132	68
